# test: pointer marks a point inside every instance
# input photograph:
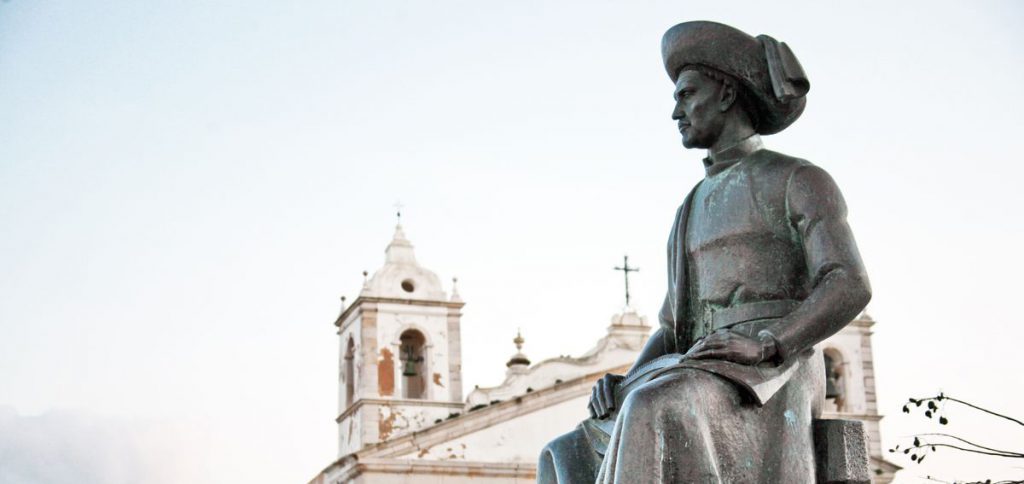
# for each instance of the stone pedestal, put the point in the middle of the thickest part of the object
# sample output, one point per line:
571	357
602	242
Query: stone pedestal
841	452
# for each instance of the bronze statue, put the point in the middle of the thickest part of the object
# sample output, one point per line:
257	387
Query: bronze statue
761	267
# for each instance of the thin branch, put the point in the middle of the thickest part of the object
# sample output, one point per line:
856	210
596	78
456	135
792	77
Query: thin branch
944	397
991	482
1018	422
971	443
996	454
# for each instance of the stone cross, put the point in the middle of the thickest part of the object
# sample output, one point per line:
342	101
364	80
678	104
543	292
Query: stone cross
398	211
625	272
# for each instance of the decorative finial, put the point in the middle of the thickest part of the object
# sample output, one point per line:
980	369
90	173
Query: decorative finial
519	362
455	289
366	282
625	271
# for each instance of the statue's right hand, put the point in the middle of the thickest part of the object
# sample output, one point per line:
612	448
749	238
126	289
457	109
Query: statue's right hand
602	398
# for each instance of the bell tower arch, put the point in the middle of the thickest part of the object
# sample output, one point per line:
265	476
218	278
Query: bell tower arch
400	352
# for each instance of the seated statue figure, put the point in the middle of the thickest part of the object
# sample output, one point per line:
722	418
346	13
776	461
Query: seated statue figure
762	266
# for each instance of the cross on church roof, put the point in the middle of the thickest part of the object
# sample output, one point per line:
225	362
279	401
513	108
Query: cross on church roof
625	272
398	211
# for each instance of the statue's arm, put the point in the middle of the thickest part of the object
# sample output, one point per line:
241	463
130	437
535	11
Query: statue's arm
839	288
662	342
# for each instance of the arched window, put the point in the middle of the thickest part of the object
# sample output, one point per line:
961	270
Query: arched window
835	384
413	364
350	372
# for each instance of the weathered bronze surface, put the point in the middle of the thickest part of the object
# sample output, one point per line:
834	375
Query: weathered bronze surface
761	267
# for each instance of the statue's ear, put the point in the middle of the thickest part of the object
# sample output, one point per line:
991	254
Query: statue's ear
727	96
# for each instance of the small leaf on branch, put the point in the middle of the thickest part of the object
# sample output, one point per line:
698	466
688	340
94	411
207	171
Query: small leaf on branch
943	420
917	442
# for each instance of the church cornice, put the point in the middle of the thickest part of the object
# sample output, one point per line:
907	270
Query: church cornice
362	300
396	401
517	471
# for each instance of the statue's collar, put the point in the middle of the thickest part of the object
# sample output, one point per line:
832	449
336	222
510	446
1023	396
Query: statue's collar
722	159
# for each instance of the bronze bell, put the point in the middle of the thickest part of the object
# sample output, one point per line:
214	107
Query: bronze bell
410	362
831	387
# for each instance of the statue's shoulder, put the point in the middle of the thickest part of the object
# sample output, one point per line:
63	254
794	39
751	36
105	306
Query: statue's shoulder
796	181
769	160
774	169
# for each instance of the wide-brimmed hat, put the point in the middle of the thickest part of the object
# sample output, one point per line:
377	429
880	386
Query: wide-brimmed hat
767	68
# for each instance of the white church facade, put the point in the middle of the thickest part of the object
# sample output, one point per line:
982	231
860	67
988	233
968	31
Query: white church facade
402	418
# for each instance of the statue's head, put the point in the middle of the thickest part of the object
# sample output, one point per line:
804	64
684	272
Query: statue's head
722	75
708	100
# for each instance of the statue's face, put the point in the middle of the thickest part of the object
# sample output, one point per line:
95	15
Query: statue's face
698	109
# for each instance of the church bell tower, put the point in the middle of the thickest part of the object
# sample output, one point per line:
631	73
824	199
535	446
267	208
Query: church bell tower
400	355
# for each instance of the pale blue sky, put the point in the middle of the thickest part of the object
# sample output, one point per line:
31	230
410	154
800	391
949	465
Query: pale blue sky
187	187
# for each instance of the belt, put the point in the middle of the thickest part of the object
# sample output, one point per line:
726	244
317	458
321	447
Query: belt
733	315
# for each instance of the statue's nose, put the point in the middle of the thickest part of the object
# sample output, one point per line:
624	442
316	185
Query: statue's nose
678	113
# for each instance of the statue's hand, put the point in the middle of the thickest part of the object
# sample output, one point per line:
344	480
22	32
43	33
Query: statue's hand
602	398
734	347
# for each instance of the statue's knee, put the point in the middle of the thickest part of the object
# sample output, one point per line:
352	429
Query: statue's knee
568	459
546	471
691	389
643	400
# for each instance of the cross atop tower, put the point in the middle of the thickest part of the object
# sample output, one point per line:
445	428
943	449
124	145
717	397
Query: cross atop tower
625	272
398	211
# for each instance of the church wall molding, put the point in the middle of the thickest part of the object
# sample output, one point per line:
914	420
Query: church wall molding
356	305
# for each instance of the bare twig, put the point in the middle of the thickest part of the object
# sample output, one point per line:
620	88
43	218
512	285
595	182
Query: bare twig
1011	453
997	414
995	454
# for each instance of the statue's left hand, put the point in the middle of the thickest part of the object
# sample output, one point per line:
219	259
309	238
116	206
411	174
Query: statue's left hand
734	347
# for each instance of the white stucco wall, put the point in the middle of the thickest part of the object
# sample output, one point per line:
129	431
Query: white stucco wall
516	440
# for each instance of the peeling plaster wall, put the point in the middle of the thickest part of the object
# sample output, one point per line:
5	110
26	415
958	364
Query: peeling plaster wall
350	428
398	418
379	412
351	432
351	330
432	321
